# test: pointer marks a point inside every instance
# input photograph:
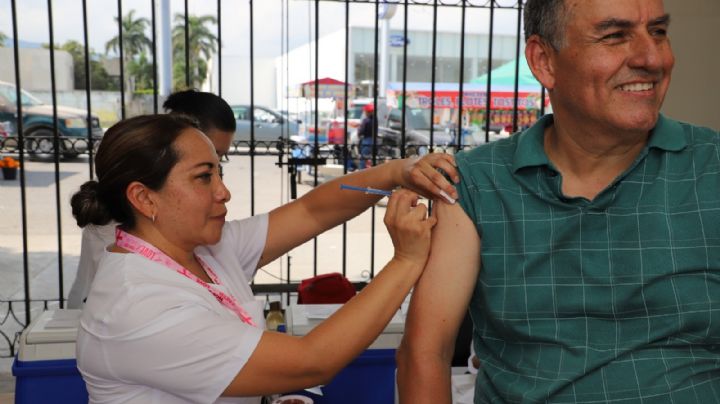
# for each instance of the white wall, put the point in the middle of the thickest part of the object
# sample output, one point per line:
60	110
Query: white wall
35	69
695	86
299	67
236	76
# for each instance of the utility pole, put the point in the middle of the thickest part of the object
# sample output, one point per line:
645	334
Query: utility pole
165	50
385	14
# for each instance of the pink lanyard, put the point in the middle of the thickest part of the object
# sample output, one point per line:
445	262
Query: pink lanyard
147	250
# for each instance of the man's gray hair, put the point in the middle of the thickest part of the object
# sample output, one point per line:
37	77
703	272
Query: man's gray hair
546	19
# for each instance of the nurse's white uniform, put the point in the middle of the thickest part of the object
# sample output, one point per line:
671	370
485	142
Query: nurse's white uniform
151	335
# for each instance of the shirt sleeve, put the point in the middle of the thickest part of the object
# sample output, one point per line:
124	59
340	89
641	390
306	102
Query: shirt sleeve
242	244
464	187
94	241
175	342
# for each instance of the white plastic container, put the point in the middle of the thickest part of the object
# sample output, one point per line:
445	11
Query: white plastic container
50	336
370	378
302	318
45	368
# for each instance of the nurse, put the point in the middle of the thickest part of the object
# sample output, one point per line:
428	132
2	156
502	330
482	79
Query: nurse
170	317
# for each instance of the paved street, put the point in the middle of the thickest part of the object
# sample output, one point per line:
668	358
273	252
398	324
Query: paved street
271	190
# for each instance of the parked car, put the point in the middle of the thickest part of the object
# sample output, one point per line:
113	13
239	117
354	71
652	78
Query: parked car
336	126
322	129
355	110
6	129
417	131
37	120
270	125
475	135
336	131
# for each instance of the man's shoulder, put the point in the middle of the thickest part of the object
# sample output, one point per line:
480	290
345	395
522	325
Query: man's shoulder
693	131
497	150
702	131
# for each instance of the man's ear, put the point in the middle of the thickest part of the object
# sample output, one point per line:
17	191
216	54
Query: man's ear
141	199
539	54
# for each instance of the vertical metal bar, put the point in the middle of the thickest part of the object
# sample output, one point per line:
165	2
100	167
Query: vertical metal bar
374	133
287	62
252	114
91	141
316	97
21	147
317	114
461	95
219	43
154	58
346	153
488	95
287	81
376	62
188	82
56	145
285	125
403	136
308	106
517	67
122	61
346	95
432	77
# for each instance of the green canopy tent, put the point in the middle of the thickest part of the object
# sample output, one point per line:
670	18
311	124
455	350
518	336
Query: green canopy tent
503	77
503	92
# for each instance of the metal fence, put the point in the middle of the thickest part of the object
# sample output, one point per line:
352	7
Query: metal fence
26	140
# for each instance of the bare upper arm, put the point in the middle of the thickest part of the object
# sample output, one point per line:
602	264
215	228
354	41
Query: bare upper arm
440	299
284	232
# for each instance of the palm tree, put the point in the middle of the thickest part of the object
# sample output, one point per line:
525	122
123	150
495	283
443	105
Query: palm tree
99	77
135	43
202	45
142	70
3	38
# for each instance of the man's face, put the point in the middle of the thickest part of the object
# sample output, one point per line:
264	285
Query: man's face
614	69
222	140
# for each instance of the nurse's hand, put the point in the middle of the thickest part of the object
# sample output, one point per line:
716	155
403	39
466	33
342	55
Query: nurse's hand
423	175
410	227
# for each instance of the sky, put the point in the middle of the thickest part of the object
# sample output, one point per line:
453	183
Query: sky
268	30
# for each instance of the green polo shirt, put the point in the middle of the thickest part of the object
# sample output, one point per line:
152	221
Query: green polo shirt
611	300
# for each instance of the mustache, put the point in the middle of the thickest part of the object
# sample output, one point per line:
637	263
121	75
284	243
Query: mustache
634	75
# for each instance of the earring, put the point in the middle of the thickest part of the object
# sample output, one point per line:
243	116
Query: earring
153	218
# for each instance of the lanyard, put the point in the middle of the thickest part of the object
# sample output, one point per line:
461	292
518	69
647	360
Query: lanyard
149	251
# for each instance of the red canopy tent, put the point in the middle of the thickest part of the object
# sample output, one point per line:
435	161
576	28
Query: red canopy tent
327	88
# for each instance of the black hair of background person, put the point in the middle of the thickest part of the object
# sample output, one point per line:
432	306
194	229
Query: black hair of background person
122	159
211	111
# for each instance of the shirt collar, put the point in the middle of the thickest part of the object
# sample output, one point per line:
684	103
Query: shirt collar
667	135
530	152
530	149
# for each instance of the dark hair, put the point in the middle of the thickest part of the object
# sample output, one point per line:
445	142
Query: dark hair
546	19
211	111
136	149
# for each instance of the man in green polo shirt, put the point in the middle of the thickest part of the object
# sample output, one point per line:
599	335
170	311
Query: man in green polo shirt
600	230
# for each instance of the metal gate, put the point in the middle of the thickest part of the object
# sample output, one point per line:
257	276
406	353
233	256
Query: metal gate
383	59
